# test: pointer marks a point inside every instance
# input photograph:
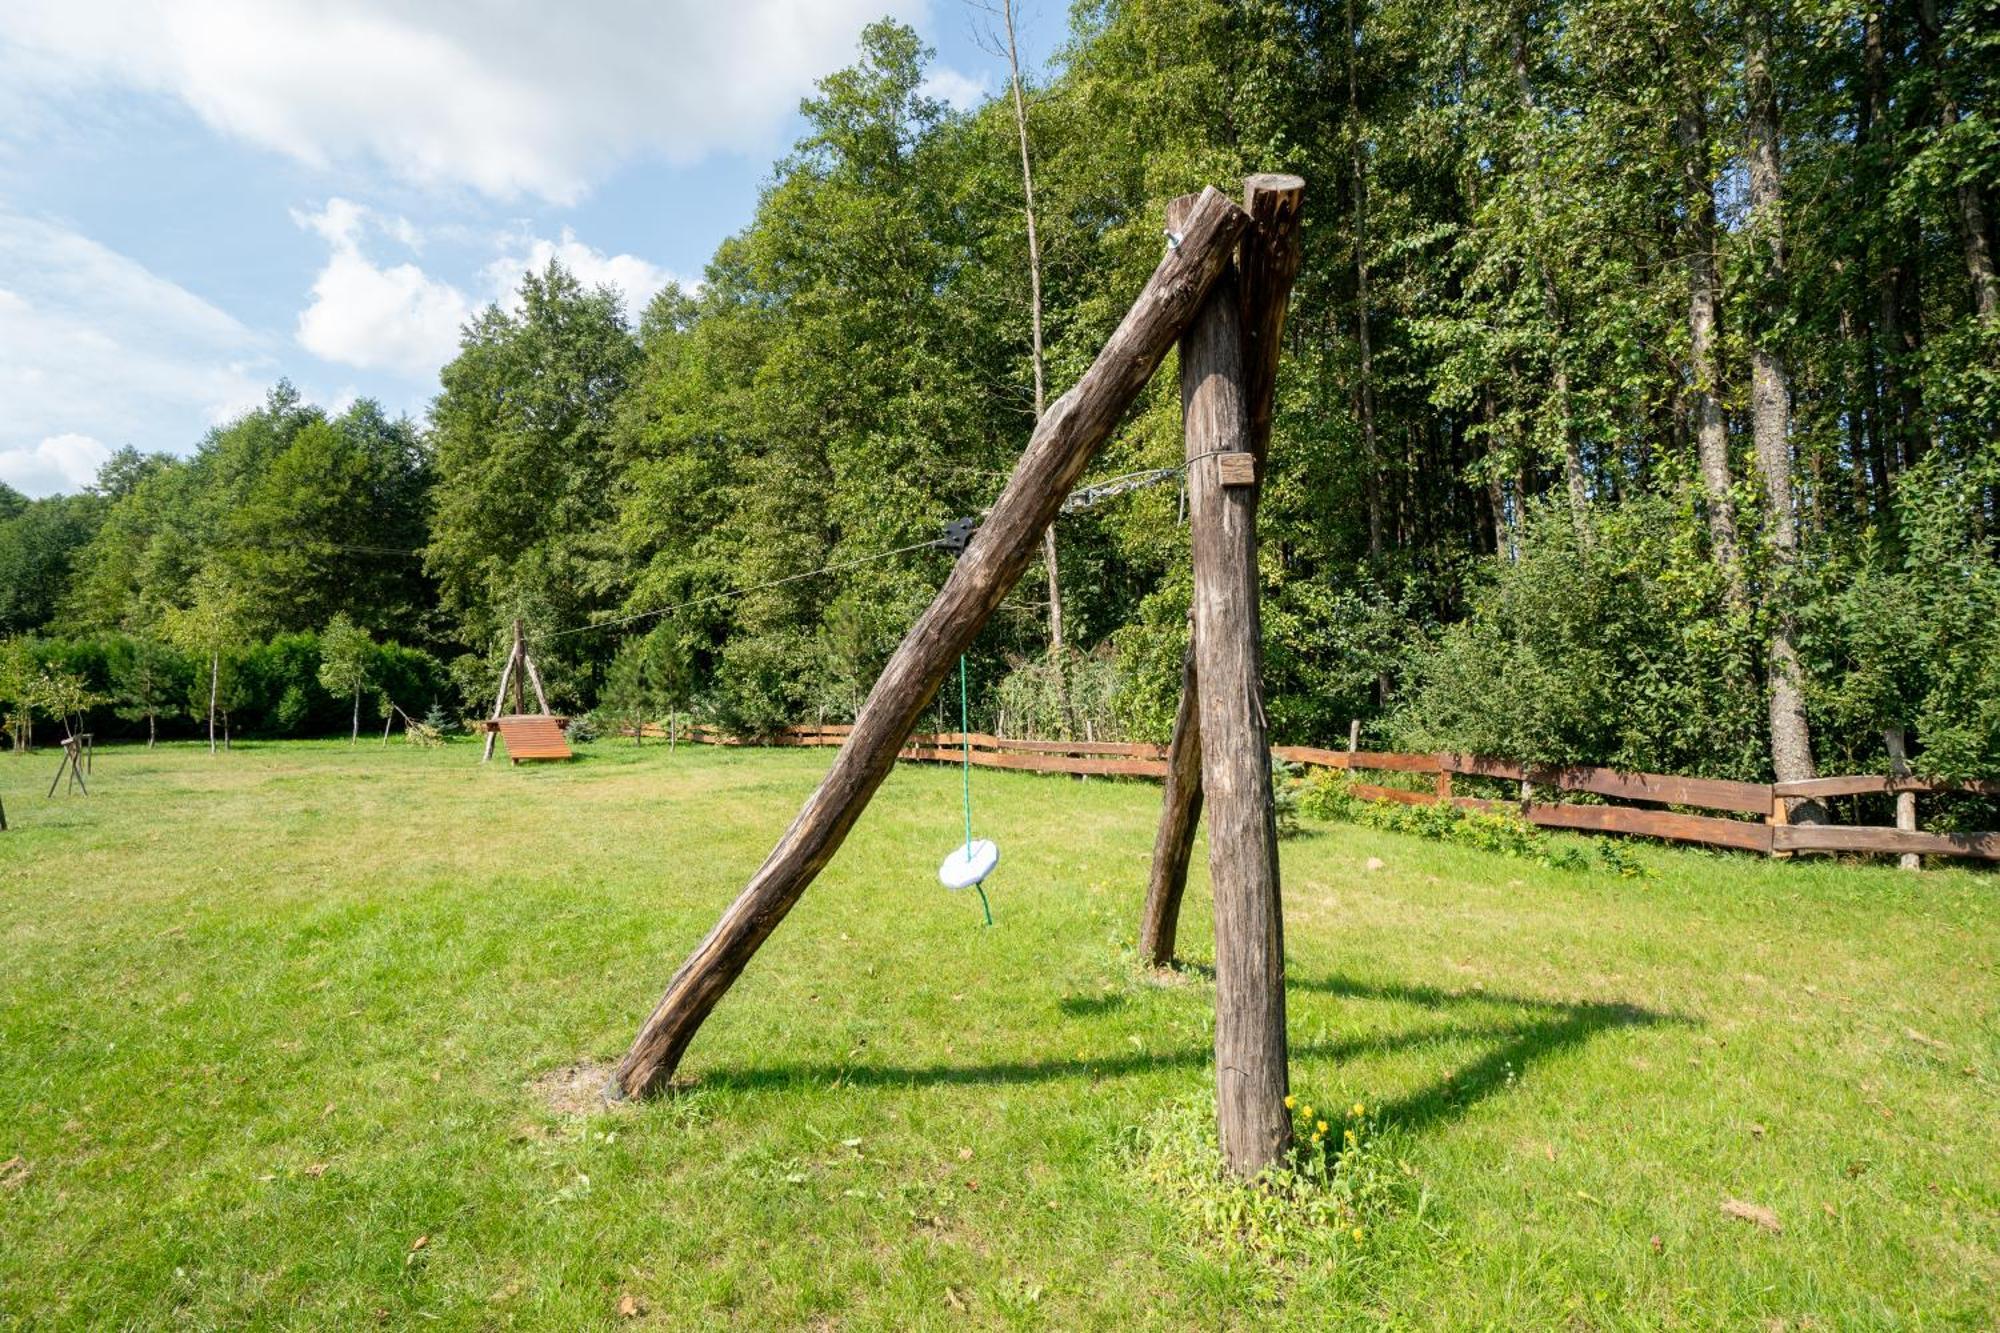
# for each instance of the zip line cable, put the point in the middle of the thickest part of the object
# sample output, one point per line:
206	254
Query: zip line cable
1078	500
740	592
1082	498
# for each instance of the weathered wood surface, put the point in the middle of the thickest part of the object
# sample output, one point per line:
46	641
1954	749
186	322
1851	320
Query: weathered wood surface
1075	765
1180	815
1394	763
499	703
1266	268
1835	838
1251	1073
493	723
1749	798
532	736
1311	754
980	740
1705	829
1065	441
1483	766
1868	784
1065	757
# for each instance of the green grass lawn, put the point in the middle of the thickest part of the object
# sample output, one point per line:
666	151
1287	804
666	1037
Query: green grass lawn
275	1028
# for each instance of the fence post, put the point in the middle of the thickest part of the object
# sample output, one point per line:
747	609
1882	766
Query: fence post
1779	817
1444	779
1906	801
1354	735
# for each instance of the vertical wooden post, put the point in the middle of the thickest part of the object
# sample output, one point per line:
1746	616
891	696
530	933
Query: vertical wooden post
1251	1077
1781	815
1906	801
1065	440
1268	265
1443	782
1353	735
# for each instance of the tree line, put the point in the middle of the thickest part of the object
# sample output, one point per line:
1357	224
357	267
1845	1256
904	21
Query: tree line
1640	405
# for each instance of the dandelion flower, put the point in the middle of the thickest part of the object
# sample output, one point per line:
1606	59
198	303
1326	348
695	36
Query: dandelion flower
1309	1112
1359	1110
1290	1101
1322	1126
1357	1234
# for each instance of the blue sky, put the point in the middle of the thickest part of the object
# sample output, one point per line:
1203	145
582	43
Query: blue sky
201	196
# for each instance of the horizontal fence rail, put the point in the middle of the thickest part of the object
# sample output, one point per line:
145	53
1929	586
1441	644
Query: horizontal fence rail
1769	832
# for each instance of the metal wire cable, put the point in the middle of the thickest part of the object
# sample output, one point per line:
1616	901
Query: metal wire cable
725	595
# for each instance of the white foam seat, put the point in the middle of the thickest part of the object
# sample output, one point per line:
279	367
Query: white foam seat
969	865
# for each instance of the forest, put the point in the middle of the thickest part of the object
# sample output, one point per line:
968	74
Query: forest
1640	407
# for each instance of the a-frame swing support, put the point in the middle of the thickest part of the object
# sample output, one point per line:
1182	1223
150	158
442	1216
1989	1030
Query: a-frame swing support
520	668
1202	248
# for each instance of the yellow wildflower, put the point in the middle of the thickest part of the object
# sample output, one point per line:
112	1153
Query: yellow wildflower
1322	1126
1357	1234
1359	1110
1290	1101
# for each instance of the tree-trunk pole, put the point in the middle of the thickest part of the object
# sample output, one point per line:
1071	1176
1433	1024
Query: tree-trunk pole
1269	263
1180	814
1250	1069
1705	373
1065	440
1771	426
214	688
499	704
354	734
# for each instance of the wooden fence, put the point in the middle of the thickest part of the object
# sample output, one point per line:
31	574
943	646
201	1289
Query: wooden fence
1649	794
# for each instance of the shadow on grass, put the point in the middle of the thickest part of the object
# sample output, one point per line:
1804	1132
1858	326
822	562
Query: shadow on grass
1547	1028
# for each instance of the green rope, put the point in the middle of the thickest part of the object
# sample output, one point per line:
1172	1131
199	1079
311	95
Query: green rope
965	738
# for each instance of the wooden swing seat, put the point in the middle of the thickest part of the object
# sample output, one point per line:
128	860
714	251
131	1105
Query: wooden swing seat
532	736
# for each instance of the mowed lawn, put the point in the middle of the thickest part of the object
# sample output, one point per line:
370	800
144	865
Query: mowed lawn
276	1026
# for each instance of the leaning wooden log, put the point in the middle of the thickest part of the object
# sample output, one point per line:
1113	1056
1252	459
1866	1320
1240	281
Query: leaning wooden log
1251	1078
1180	813
1065	440
1267	267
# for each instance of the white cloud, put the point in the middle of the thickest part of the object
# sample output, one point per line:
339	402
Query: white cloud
638	279
394	318
94	344
508	97
398	318
59	463
957	89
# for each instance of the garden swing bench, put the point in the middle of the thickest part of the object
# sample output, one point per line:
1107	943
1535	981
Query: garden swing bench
529	736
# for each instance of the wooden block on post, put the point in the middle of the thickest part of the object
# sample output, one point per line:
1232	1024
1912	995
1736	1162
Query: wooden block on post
1236	469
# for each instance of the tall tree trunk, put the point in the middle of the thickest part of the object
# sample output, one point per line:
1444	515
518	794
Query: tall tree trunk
1035	321
1573	474
214	689
1365	396
1972	215
1771	422
354	737
1705	376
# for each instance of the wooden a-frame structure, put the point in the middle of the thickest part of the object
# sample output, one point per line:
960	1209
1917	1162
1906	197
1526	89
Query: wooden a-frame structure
528	735
1224	304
